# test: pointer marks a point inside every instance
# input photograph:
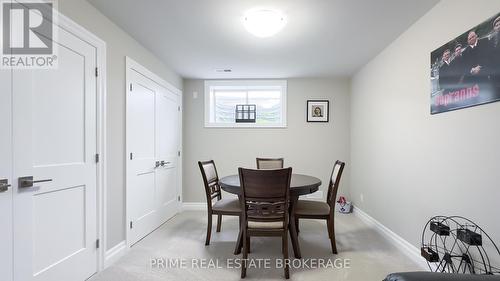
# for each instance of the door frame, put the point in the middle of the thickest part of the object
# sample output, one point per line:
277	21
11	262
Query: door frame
132	65
101	93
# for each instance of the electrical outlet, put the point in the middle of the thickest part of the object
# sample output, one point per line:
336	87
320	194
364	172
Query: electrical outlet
362	198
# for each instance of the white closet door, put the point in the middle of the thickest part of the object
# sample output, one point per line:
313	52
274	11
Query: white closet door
141	133
153	137
54	133
5	175
167	153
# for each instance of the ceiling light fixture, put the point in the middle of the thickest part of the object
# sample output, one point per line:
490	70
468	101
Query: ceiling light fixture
264	22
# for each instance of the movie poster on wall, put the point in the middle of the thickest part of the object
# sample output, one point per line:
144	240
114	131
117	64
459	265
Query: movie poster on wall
466	71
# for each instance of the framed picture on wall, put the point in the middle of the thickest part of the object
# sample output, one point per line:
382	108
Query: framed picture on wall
465	71
318	110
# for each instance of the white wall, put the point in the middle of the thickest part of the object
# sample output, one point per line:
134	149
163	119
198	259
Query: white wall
309	148
411	165
119	45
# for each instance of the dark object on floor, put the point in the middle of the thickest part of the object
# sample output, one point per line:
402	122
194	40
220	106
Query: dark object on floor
435	276
454	244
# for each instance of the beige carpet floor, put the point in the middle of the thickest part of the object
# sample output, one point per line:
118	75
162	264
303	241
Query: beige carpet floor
181	240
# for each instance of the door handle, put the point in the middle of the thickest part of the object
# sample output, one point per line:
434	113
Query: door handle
161	163
25	182
4	185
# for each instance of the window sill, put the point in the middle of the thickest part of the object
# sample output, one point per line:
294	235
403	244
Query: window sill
247	126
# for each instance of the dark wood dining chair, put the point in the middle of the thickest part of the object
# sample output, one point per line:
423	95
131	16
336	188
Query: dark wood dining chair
216	205
270	163
308	209
265	203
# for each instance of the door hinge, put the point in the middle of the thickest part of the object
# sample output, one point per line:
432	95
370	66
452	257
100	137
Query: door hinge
179	153
131	156
97	158
131	87
131	225
179	198
96	72
97	244
179	108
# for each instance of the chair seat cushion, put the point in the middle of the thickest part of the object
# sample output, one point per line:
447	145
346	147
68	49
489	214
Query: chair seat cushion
227	205
265	225
308	207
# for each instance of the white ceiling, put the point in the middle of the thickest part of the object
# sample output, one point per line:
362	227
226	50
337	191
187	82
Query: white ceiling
322	37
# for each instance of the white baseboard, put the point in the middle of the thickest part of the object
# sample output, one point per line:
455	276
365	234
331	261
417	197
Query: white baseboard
406	247
194	206
115	253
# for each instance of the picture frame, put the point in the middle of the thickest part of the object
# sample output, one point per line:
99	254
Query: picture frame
318	111
465	71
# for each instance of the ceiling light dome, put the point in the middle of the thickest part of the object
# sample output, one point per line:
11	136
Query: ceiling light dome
264	22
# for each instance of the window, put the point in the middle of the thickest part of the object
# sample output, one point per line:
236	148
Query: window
248	103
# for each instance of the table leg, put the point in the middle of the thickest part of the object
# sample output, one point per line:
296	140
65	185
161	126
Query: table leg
292	228
239	241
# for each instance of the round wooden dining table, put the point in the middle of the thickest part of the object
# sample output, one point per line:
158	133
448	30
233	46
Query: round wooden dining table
299	185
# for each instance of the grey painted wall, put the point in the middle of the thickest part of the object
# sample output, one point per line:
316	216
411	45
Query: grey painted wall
309	148
119	45
411	165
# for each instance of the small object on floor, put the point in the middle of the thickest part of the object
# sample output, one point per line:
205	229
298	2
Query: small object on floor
343	206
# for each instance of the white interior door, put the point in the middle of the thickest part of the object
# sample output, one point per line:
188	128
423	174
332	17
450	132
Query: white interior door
152	145
54	133
5	175
167	144
141	129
